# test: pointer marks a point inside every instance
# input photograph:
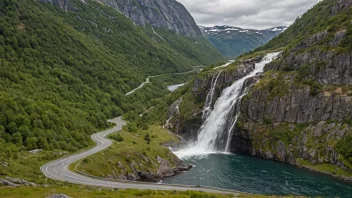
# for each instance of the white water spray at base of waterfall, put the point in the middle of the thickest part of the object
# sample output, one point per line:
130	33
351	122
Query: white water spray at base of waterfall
215	134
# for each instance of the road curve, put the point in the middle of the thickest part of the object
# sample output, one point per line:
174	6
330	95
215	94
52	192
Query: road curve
147	80
58	169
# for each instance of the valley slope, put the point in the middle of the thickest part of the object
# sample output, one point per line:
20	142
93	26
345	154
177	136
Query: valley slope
66	66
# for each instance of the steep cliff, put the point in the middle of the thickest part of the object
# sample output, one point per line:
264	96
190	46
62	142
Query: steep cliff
300	111
166	14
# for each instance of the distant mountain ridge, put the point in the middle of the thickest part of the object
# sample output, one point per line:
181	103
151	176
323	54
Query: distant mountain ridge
234	41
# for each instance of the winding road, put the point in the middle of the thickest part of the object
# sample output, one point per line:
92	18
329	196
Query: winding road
147	80
58	169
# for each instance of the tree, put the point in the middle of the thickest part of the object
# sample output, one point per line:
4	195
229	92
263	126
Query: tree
117	137
3	119
12	128
132	127
17	139
43	143
24	130
31	143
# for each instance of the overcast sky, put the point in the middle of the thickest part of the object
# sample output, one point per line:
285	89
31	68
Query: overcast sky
257	14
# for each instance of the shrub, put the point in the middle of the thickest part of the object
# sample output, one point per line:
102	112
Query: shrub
344	147
117	137
147	137
288	68
315	88
85	161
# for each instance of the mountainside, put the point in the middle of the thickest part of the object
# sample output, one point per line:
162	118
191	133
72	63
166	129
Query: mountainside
300	110
166	14
66	68
234	41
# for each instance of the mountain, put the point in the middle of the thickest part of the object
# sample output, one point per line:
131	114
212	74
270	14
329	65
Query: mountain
234	41
166	14
66	66
298	111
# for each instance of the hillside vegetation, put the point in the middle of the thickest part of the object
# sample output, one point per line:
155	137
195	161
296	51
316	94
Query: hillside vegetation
63	74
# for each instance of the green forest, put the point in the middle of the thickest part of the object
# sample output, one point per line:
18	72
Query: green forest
63	74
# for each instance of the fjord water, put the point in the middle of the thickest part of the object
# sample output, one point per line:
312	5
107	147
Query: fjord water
216	131
258	176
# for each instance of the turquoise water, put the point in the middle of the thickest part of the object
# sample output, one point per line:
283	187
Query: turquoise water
253	175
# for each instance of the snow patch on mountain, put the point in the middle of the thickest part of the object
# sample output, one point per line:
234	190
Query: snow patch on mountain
225	29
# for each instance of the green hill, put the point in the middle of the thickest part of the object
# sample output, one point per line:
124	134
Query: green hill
63	74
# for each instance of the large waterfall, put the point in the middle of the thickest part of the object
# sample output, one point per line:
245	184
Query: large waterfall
215	134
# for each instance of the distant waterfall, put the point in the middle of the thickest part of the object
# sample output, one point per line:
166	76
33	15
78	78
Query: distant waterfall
216	132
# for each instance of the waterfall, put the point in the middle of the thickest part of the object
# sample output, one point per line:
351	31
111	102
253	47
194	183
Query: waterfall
216	132
209	98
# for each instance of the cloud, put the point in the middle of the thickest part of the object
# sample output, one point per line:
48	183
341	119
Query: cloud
257	14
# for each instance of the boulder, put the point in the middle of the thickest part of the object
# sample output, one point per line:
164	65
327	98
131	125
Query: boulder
20	182
58	196
4	182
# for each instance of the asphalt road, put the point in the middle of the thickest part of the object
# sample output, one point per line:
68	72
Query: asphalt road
58	169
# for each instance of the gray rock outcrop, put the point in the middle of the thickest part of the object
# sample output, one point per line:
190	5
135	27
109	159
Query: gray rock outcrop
58	196
298	106
9	181
340	6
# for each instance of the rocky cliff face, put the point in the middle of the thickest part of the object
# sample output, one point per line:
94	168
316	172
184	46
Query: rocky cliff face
167	14
341	5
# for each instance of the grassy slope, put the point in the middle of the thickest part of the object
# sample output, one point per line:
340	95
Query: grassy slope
316	19
81	191
131	149
78	191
